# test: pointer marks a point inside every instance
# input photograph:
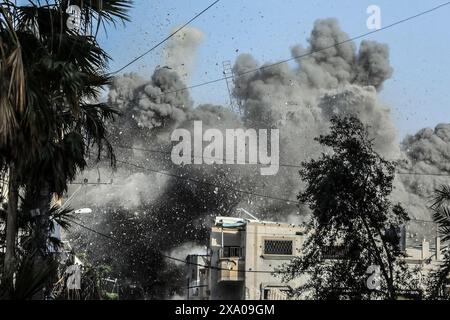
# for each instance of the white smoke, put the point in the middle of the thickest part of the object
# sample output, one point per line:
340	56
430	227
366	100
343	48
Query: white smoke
126	190
181	51
340	80
299	101
427	155
182	251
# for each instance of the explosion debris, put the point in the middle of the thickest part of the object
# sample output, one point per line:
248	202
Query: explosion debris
161	213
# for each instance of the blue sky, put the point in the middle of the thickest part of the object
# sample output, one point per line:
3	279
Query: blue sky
418	93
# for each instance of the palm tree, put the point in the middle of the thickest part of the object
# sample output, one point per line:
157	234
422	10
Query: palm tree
12	108
441	215
50	80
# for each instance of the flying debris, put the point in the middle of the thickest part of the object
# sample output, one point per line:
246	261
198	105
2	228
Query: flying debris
299	101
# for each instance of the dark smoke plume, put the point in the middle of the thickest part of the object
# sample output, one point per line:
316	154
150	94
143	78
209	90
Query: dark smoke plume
157	213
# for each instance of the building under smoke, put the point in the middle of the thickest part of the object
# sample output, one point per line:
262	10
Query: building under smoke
157	212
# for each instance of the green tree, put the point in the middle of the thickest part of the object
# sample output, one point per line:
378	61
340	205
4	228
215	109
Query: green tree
50	79
439	280
353	225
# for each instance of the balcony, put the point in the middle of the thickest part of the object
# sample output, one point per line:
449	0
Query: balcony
230	264
231	269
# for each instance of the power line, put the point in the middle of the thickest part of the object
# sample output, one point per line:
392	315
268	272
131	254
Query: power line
165	39
91	183
422	220
289	201
281	62
279	164
184	261
424	174
168	256
308	53
204	157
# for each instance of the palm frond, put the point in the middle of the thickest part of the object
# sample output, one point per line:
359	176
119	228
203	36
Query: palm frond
95	118
441	196
441	216
62	216
12	85
32	276
110	10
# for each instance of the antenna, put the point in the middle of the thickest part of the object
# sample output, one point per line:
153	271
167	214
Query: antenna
229	78
248	213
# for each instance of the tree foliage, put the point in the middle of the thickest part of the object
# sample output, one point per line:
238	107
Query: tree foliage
51	77
353	225
439	279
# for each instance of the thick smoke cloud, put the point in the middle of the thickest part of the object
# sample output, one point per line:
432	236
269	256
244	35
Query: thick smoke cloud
429	149
158	213
338	65
299	102
426	152
181	51
146	105
363	101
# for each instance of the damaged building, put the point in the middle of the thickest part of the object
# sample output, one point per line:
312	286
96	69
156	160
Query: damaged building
245	256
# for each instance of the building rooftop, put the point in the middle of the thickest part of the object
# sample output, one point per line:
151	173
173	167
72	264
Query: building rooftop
233	222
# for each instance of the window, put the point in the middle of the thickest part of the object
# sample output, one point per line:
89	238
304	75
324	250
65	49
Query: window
276	293
231	252
278	247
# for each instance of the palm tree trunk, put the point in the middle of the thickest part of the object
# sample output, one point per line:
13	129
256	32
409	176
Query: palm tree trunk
38	198
42	199
11	227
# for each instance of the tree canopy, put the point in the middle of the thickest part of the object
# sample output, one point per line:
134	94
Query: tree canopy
354	227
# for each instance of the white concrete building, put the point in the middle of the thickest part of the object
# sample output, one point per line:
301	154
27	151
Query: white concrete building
422	245
198	272
244	254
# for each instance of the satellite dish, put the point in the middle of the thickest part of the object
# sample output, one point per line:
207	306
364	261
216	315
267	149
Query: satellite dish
83	211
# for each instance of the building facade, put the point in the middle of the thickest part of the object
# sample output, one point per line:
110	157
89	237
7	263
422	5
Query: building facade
244	257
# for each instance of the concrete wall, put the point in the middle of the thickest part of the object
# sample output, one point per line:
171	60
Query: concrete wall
252	273
197	277
251	276
256	259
